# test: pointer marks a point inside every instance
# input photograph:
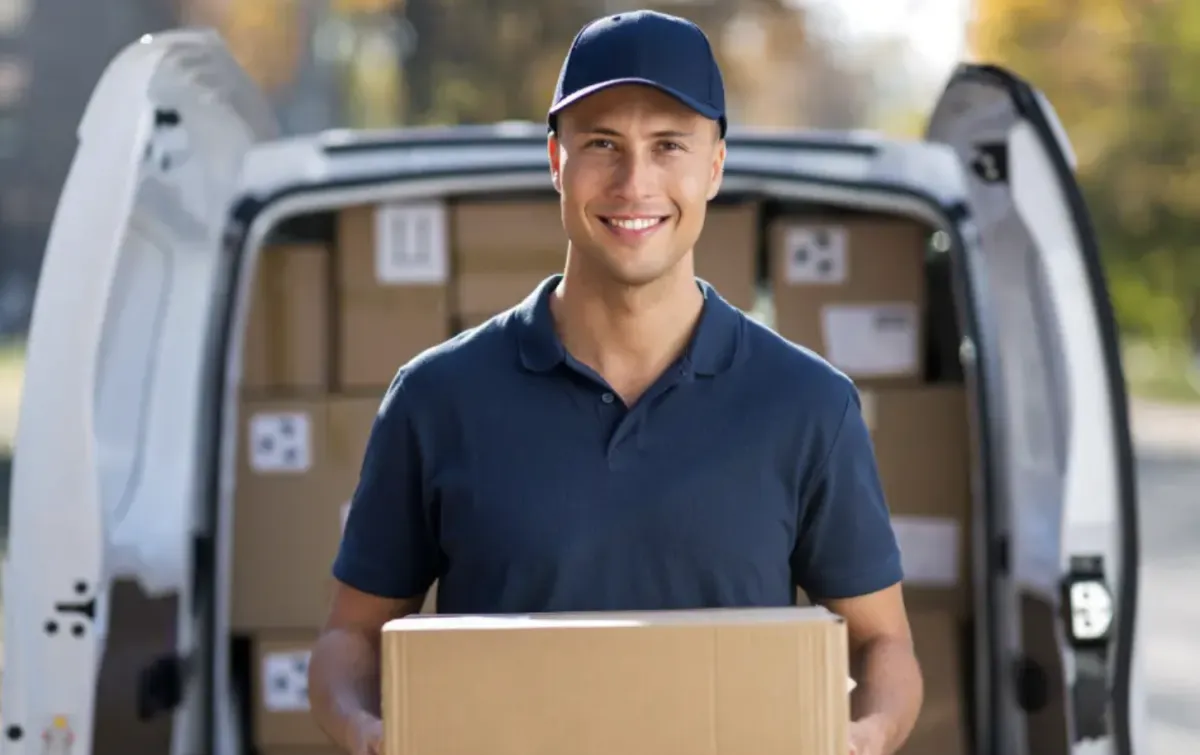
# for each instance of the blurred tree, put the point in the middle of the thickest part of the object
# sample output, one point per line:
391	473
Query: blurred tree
266	37
479	61
1121	74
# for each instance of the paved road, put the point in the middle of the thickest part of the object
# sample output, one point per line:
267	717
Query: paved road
1169	479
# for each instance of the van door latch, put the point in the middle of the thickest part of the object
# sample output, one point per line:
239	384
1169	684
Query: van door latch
1088	612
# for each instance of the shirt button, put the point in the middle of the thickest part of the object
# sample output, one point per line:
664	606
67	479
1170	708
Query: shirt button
608	398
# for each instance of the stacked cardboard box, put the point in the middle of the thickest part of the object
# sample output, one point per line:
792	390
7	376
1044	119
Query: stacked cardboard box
853	289
327	328
504	248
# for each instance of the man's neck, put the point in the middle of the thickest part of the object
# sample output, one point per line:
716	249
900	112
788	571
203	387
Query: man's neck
629	335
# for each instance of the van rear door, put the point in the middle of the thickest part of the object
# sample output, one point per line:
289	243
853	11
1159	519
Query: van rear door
1059	549
112	448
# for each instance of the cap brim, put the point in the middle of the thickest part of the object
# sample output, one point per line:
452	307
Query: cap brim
705	110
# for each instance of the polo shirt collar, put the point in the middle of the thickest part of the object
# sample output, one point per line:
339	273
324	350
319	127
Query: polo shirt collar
712	350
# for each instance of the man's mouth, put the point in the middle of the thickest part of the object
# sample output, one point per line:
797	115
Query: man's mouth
634	224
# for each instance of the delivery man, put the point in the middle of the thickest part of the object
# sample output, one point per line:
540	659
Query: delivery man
623	438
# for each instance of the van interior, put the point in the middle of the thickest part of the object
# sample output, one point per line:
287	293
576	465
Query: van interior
339	299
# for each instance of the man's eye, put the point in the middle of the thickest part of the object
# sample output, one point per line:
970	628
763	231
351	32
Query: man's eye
600	144
671	146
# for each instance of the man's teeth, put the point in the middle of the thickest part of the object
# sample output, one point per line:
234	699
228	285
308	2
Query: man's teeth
633	224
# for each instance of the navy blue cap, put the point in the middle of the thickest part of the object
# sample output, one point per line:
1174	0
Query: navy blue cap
666	52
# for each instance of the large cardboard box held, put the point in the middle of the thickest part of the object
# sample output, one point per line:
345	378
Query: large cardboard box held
853	290
288	331
923	450
298	463
723	682
393	272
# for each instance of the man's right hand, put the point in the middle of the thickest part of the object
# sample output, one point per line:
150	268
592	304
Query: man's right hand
367	735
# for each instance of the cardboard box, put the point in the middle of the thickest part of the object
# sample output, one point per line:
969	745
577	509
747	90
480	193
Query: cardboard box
727	252
299	461
941	727
923	450
287	342
853	290
393	273
502	250
279	684
734	682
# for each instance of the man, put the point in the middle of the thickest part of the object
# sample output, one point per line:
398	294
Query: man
624	438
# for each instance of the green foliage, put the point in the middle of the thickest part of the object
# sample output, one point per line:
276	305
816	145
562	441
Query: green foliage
1121	74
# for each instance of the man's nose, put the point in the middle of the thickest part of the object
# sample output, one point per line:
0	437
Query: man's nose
634	177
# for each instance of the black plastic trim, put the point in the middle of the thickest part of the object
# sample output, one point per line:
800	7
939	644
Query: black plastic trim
1028	107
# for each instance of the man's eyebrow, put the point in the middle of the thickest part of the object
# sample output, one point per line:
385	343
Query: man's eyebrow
663	134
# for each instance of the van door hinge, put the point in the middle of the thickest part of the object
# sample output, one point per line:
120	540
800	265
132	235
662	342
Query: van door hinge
1088	612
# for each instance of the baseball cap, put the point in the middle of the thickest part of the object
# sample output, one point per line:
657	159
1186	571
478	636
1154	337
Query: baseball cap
645	47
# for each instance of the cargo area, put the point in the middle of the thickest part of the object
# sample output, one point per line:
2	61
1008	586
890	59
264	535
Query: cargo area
341	299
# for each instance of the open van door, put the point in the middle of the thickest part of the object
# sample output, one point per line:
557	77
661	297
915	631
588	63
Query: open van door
1057	538
112	452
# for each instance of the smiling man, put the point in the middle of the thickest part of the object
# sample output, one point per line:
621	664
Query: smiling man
624	438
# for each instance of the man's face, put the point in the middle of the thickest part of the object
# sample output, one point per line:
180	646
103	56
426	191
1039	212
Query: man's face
635	168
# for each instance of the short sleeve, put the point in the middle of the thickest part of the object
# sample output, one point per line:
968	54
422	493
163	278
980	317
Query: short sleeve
845	545
388	547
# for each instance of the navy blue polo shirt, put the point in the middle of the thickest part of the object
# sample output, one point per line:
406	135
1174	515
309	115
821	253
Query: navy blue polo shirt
512	473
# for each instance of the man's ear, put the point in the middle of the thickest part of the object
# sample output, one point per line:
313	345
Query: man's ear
555	161
718	170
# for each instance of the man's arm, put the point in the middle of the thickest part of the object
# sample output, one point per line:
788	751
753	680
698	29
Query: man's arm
890	690
344	671
847	559
387	561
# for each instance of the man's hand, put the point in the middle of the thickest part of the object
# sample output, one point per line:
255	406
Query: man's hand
367	735
866	738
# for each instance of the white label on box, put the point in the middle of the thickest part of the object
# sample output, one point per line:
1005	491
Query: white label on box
280	443
285	681
929	548
410	244
345	514
816	255
871	340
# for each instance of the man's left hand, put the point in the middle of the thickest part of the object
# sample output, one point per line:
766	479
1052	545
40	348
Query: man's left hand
866	738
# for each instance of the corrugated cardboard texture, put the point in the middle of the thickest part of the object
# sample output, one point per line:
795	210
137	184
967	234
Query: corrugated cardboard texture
287	524
379	326
882	264
503	249
941	726
922	446
727	252
287	346
282	716
735	682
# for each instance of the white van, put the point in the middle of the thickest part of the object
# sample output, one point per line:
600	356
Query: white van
125	467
